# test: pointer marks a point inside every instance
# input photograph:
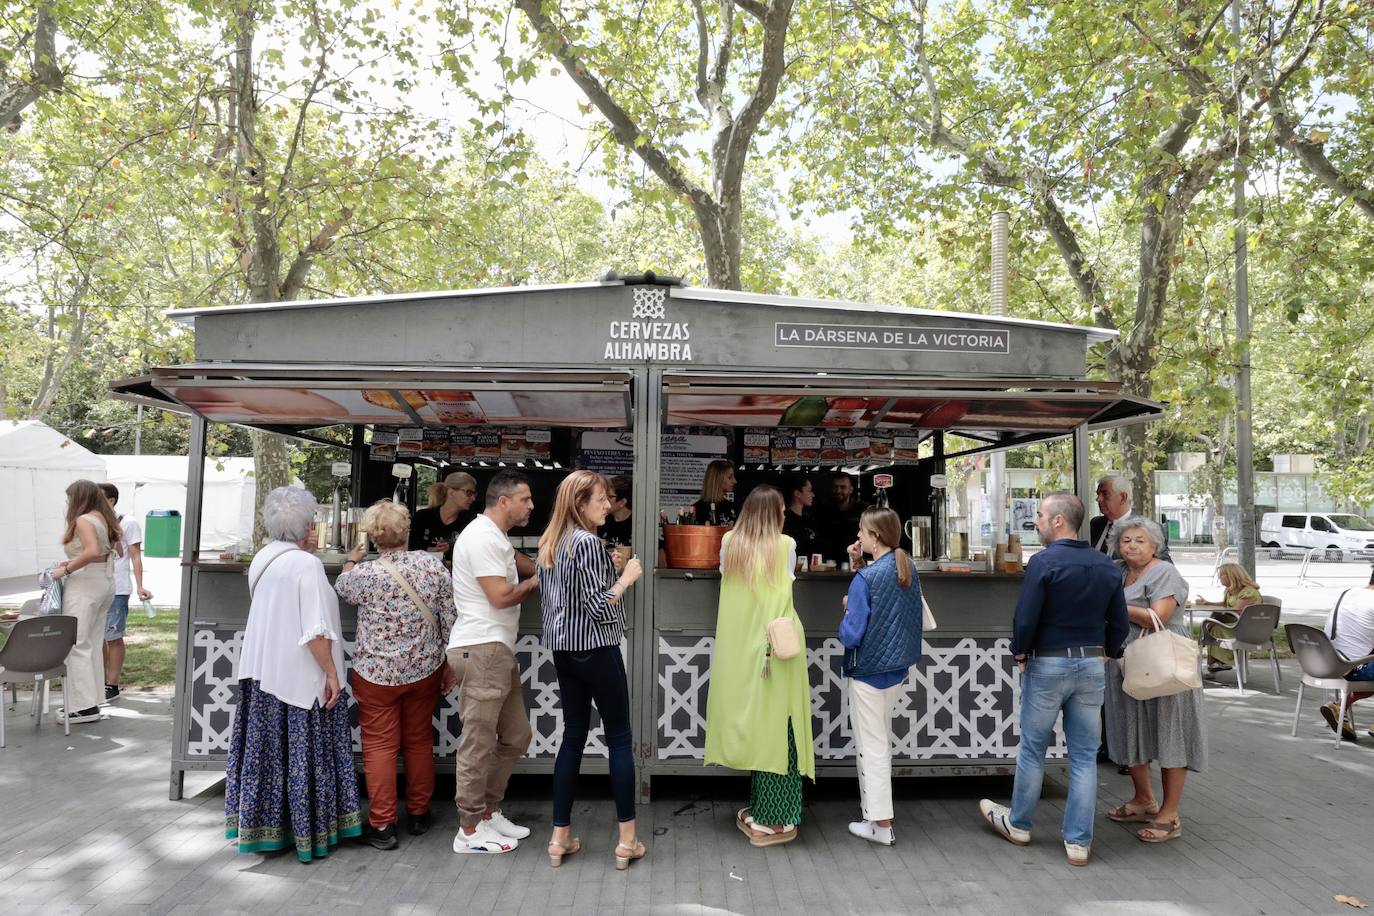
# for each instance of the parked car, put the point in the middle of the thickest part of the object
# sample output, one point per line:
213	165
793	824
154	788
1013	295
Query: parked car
1341	535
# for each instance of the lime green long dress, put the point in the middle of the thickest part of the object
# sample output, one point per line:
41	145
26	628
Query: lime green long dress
754	722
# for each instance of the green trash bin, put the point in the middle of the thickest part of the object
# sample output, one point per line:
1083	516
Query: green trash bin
162	533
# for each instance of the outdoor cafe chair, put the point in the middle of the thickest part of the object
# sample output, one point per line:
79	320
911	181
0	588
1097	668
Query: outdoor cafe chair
1322	667
37	650
1253	631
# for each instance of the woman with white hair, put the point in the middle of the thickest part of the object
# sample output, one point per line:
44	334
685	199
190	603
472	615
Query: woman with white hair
289	780
1166	730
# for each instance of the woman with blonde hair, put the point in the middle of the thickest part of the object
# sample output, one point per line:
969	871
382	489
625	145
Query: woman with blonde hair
437	526
717	503
405	612
881	633
584	620
92	541
1241	592
758	709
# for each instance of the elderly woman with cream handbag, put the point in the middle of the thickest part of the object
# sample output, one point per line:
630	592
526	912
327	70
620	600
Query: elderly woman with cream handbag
1165	726
758	709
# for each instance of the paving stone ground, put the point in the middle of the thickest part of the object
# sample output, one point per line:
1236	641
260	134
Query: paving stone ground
1279	825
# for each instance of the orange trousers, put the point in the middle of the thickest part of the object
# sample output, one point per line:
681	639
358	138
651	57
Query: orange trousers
396	719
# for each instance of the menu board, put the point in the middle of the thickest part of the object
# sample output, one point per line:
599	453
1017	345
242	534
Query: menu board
880	449
685	459
832	449
609	453
784	448
756	446
809	446
462	445
434	443
383	445
408	442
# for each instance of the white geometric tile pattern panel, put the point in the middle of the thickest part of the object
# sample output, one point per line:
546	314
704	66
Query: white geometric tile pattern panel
214	695
959	701
650	303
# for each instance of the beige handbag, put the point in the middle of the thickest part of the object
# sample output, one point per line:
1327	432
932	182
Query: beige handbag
1160	664
783	641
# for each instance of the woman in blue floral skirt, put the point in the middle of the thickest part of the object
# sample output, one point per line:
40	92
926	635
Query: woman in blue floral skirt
289	781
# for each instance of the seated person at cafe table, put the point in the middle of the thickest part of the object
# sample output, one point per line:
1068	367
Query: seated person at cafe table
1351	628
1241	592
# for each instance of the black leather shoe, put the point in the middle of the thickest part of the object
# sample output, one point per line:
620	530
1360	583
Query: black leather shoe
384	838
417	824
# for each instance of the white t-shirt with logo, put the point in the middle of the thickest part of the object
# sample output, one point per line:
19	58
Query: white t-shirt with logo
124	567
482	550
1354	624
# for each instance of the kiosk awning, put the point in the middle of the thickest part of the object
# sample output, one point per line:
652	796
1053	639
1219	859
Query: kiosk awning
304	397
1000	411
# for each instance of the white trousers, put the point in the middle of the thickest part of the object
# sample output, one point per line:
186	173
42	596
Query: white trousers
86	595
870	716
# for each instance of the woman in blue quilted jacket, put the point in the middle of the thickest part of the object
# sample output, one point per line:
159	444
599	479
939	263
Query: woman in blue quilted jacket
881	632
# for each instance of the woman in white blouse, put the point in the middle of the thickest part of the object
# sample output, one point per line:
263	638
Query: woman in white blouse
289	780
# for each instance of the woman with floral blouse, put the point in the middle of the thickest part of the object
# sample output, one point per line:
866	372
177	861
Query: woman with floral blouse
405	611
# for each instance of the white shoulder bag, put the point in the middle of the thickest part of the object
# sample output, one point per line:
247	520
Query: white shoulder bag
1160	664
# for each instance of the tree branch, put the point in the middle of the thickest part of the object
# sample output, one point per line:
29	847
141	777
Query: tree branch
771	67
44	73
305	258
626	131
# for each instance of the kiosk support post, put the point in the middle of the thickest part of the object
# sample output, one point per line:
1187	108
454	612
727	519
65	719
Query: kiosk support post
190	544
1082	473
647	418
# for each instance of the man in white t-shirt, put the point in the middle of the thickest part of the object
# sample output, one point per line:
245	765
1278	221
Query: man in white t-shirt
1353	620
128	573
487	592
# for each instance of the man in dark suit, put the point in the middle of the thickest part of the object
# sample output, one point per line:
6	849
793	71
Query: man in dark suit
1114	499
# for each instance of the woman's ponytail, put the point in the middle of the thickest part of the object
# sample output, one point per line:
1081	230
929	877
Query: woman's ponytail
903	568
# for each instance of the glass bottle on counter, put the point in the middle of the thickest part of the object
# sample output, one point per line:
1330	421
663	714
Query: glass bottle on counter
711	519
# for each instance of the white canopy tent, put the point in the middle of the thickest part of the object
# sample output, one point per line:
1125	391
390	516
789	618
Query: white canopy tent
37	463
148	482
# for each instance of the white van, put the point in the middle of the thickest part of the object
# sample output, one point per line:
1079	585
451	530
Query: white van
1342	535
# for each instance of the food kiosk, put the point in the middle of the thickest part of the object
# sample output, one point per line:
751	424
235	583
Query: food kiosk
646	377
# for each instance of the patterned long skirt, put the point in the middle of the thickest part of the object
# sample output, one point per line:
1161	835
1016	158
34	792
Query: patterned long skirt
289	782
775	798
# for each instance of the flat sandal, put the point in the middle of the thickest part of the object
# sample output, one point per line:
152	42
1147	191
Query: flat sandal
1123	814
564	849
1171	829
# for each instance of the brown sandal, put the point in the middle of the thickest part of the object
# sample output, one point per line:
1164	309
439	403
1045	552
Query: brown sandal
744	822
766	836
1170	830
1125	814
564	849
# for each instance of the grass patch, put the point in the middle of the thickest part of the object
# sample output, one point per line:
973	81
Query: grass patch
150	649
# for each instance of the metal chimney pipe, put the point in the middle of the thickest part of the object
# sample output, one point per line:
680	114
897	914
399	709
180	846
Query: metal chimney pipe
998	492
1000	222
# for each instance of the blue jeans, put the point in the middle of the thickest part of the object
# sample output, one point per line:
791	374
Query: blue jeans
584	678
117	618
1076	687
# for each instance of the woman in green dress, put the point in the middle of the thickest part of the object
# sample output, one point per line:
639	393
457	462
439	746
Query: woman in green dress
758	709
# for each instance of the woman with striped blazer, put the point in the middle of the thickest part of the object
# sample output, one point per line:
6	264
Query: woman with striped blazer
584	619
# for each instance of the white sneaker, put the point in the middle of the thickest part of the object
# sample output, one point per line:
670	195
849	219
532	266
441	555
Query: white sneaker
1078	855
505	827
867	830
999	816
482	841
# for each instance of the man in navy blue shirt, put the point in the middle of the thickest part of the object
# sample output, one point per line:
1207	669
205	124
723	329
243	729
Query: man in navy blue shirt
1070	617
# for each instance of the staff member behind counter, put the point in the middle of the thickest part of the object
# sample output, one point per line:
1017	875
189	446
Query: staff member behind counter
717	495
450	504
840	523
797	521
618	529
